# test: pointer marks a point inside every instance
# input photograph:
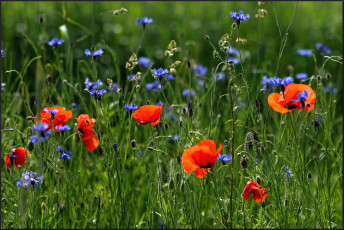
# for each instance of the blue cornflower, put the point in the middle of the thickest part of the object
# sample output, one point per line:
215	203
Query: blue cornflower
285	170
131	76
56	42
144	21
160	103
273	82
160	72
2	53
239	16
301	97
219	76
174	138
94	53
161	224
189	105
143	61
115	87
62	128
234	60
241	104
329	88
316	122
232	51
52	111
114	146
187	91
74	105
140	153
3	87
200	82
174	118
224	158
200	70
153	86
323	48
131	107
305	52
301	76
65	155
170	77
29	178
42	135
97	94
287	80
92	85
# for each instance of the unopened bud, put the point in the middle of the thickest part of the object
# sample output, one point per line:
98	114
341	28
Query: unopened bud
159	124
166	126
243	162
148	102
189	64
150	148
240	74
319	77
309	175
258	180
328	75
133	143
206	37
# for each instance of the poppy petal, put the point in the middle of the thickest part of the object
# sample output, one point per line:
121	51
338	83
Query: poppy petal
201	172
273	102
188	162
147	114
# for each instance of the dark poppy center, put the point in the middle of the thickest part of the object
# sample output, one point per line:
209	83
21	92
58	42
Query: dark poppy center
206	166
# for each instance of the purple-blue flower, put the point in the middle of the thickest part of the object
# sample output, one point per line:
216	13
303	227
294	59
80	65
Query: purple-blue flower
272	82
97	94
219	76
115	87
52	111
160	103
187	91
42	135
174	138
323	48
153	86
29	179
74	105
316	122
330	88
62	128
285	169
170	77
2	53
131	76
144	21
287	80
3	87
301	76
94	53
144	61
92	85
55	42
232	51
160	72
224	158
301	97
234	60
305	52
200	70
239	16
131	107
65	155
161	224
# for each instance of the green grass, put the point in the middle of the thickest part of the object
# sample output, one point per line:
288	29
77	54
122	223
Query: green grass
104	189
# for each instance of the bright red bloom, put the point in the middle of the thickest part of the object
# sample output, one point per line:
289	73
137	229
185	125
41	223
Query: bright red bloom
201	157
259	193
296	95
88	137
16	157
60	118
148	114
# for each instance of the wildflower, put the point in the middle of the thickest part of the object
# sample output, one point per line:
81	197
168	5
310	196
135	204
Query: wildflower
74	105
219	76
285	170
259	193
153	86
186	92
148	114
241	104
234	60
3	87
55	42
140	153
114	146
297	96
323	48
161	224
65	155
224	158
201	157
144	21
232	51
29	178
173	139
305	52
170	77
131	107
94	53
97	94
85	125
62	128
114	87
132	77
316	122
160	103
329	88
143	61
60	117
16	157
92	85
301	75
2	53
42	135
159	72
239	16
273	82
199	70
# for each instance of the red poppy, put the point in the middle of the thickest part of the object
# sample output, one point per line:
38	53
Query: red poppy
60	118
88	137
148	114
201	157
16	157
259	193
297	96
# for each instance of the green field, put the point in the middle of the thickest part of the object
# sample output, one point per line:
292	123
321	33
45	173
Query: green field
296	156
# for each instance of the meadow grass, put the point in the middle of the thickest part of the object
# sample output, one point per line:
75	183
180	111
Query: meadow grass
136	187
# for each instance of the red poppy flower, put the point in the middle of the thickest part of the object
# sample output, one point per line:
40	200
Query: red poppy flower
148	114
88	137
16	157
259	193
201	157
61	116
297	96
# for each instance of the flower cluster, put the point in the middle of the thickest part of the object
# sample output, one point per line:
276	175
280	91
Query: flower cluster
65	155
273	82
29	179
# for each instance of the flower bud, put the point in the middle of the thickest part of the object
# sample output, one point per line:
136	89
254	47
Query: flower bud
150	148
243	162
148	102
328	76
114	145
206	37
133	143
166	126
309	175
159	124
258	180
